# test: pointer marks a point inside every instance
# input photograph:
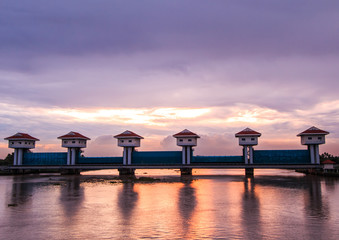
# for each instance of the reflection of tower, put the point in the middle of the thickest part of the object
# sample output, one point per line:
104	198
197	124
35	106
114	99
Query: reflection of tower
316	210
313	137
186	139
71	196
313	200
248	138
22	191
251	210
187	203
21	142
73	141
127	200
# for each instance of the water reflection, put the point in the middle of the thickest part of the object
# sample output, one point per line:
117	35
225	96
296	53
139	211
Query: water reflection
127	200
72	196
22	191
251	221
186	204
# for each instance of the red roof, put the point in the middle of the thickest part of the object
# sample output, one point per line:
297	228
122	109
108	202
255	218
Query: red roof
74	135
328	162
128	134
248	132
21	136
186	133
313	131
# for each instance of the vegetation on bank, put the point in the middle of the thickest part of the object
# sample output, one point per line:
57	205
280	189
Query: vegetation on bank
327	156
8	160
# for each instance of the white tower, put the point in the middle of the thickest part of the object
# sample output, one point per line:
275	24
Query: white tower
21	142
248	138
73	141
313	137
128	140
186	139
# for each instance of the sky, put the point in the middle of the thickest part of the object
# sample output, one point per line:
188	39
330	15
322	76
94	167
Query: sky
157	67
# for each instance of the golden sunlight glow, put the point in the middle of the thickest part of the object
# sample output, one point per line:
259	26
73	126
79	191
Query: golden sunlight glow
135	116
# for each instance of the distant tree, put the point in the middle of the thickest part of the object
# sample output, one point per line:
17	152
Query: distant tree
327	156
8	160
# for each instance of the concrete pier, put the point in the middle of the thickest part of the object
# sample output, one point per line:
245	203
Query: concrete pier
186	171
126	171
249	172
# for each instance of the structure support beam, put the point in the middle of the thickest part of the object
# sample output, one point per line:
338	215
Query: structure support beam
69	156
249	172
186	171
311	148
15	160
126	172
316	152
245	154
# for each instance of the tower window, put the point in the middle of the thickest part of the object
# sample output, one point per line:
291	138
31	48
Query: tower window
129	140
19	142
65	142
180	140
190	140
243	139
73	141
12	142
122	141
252	139
320	138
309	138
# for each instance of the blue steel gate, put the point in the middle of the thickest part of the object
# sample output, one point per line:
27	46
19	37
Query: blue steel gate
281	157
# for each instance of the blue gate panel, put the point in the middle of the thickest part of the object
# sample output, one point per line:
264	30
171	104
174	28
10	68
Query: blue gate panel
281	157
99	160
55	158
217	159
157	158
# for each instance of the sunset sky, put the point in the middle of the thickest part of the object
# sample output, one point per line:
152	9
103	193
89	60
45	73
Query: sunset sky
156	67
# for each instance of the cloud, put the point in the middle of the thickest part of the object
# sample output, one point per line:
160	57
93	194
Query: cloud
157	67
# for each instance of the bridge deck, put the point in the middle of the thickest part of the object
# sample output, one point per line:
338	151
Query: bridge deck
200	166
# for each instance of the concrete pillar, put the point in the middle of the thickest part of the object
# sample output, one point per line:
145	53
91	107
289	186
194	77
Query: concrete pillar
73	156
183	155
124	156
15	161
69	156
250	149
186	171
129	155
245	155
249	172
311	148
316	152
126	172
20	156
189	153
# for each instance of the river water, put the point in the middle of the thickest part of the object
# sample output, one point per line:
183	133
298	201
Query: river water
213	204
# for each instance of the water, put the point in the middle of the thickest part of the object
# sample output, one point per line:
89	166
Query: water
275	204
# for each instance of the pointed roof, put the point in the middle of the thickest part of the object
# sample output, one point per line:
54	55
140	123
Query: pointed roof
128	134
328	161
74	135
186	133
313	131
248	132
21	136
